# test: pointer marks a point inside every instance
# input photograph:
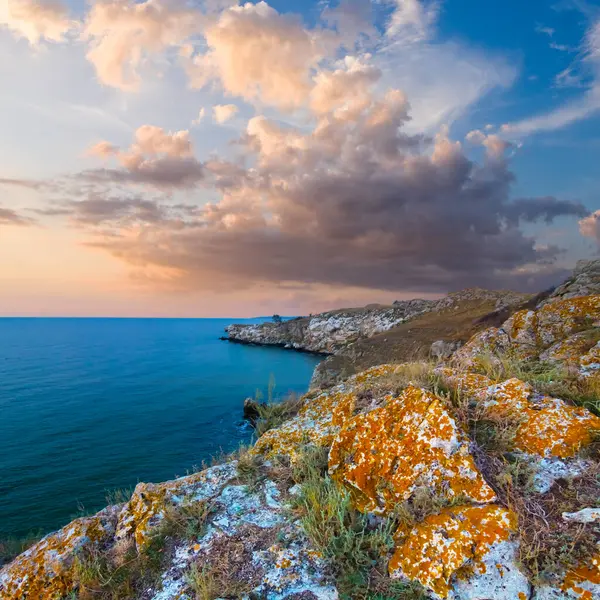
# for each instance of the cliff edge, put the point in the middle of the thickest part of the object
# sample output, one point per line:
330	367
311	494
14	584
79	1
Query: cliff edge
474	476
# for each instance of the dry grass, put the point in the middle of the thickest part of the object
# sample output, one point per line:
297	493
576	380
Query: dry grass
549	546
118	574
226	569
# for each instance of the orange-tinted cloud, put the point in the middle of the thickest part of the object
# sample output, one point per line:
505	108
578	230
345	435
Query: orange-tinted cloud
36	20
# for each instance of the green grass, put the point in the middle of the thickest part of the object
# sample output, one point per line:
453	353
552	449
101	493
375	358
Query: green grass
274	413
357	549
118	495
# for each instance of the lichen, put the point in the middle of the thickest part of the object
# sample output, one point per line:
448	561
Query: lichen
46	570
584	580
320	418
383	455
548	427
452	543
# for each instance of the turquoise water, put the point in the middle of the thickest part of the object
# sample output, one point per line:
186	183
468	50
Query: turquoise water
88	405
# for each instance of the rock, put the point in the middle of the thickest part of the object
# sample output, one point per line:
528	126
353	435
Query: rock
549	431
558	332
460	544
252	410
384	455
585	515
485	344
320	418
581	583
441	349
145	510
585	281
45	571
328	333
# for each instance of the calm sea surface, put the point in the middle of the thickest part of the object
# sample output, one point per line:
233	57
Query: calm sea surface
89	405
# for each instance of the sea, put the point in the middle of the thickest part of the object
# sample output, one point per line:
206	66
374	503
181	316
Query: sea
88	406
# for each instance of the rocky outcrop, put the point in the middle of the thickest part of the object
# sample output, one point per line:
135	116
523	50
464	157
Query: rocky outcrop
404	452
585	281
328	333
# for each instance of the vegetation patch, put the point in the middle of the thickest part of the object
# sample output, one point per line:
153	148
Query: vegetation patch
358	547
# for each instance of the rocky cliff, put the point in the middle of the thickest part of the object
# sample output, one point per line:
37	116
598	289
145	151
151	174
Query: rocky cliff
472	477
336	332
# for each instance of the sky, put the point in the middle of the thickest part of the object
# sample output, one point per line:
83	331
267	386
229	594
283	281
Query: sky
212	158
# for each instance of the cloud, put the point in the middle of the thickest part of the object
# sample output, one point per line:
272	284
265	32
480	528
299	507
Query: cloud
412	20
36	20
259	54
116	212
590	226
123	36
156	157
11	217
352	202
200	117
545	208
585	72
224	112
25	183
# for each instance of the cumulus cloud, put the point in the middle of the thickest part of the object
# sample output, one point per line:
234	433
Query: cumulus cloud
156	157
124	35
590	226
223	112
352	202
36	20
259	54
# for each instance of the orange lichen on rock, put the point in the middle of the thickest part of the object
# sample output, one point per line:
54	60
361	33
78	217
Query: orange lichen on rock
320	418
382	456
584	580
373	373
522	331
471	385
547	426
490	342
589	363
454	540
317	422
558	320
568	351
146	508
550	427
46	570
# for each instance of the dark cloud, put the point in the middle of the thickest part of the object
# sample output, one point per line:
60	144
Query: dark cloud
117	212
11	217
545	208
167	173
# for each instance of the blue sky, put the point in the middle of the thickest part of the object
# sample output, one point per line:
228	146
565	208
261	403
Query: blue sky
164	158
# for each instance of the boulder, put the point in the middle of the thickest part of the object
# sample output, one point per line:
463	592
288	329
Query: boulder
462	552
384	455
46	570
